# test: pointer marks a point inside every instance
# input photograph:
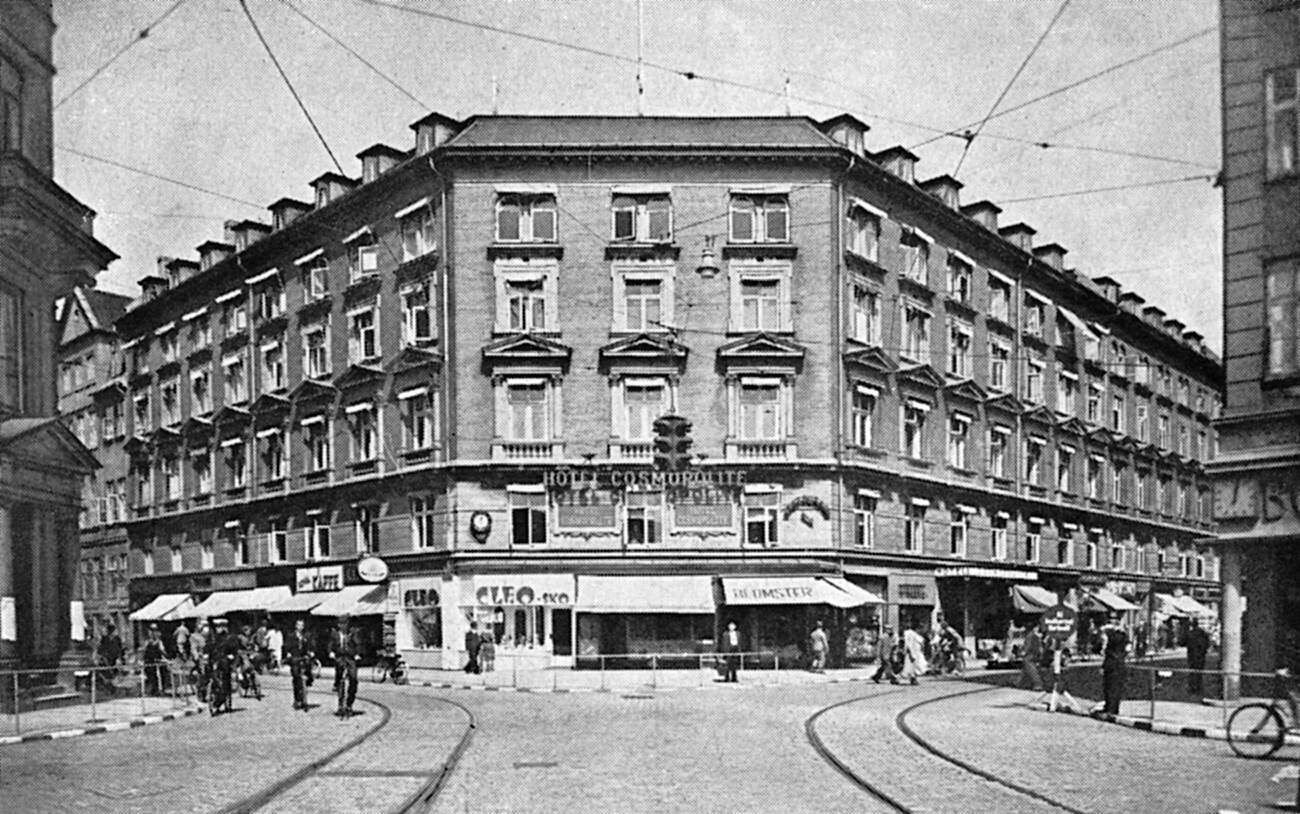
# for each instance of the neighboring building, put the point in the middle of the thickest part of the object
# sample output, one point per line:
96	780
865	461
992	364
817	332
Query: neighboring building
1257	477
91	402
456	363
47	246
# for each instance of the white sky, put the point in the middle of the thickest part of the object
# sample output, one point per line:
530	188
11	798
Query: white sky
200	101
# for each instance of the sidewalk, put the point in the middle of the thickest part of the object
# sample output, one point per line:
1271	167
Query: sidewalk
112	715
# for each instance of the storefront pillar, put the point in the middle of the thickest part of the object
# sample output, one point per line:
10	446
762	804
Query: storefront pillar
1230	611
8	601
967	633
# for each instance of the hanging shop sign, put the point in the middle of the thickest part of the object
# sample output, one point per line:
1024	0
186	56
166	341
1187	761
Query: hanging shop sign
372	569
523	589
319	578
1058	622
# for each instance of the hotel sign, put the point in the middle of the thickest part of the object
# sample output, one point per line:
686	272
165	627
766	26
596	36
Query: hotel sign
566	478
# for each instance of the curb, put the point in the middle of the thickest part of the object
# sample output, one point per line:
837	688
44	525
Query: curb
1217	733
712	685
98	729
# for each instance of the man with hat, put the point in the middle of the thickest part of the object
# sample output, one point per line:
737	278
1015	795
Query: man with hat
297	653
154	658
343	649
223	657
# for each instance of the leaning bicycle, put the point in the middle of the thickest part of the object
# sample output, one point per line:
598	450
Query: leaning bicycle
1259	729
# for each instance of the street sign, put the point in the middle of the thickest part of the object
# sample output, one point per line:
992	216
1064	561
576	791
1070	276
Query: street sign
1058	623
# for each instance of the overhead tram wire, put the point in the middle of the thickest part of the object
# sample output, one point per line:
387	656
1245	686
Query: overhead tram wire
110	162
1082	81
243	4
970	140
140	35
333	38
732	83
1095	190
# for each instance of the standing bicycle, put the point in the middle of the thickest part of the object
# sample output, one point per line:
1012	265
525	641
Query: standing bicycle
1259	729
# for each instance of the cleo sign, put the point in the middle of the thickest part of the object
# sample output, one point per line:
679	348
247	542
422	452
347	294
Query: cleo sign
541	589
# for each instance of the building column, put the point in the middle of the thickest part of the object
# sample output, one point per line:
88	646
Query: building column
1230	620
8	602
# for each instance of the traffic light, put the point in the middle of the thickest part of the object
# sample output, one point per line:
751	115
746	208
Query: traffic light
672	443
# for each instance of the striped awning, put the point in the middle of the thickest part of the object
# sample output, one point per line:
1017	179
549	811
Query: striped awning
353	600
158	607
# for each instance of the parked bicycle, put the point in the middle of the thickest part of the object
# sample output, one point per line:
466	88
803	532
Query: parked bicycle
1259	729
389	665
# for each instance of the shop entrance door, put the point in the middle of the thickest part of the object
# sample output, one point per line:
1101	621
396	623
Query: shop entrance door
562	631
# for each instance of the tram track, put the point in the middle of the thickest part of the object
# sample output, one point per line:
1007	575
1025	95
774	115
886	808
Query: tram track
420	800
904	728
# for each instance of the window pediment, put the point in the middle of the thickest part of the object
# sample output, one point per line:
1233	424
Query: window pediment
414	358
644	349
762	348
1100	436
231	418
873	359
1007	403
923	375
358	376
527	349
1041	415
165	438
1074	426
269	403
966	389
310	391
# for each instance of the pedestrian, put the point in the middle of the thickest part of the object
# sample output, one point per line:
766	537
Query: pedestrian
343	650
914	663
818	643
1198	645
261	647
487	651
731	653
1113	671
199	658
1030	657
181	642
885	652
472	643
297	652
275	647
154	657
109	653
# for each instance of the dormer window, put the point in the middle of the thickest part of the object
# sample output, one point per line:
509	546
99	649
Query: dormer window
526	219
322	195
760	219
642	218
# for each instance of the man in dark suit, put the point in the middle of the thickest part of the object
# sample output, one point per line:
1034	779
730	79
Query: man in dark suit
473	642
297	652
343	649
1198	645
1113	669
731	650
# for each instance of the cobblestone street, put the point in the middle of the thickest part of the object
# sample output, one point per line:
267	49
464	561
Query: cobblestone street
715	750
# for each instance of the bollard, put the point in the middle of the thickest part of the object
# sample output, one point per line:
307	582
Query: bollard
17	725
555	678
602	674
94	679
701	669
654	672
142	707
742	663
1152	674
776	668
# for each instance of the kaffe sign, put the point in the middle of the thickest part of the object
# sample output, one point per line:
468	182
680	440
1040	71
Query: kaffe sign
319	578
1058	623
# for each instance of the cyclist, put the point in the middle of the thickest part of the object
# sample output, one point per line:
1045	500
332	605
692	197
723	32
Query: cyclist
222	660
246	664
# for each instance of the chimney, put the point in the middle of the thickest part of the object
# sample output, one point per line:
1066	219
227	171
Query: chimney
330	187
377	160
985	213
1175	328
1194	340
285	211
1109	287
433	131
848	130
247	232
1020	235
1154	316
152	285
1131	303
212	252
1053	254
945	188
898	161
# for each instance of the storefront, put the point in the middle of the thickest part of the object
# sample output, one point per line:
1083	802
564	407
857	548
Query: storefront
977	601
530	616
364	606
418	625
635	615
912	598
243	607
777	614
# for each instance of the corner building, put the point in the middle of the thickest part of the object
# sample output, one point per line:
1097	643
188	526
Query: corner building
898	408
1257	479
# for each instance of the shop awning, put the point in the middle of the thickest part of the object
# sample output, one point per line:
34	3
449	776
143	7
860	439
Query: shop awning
1033	599
251	599
1182	606
351	600
1111	601
835	591
646	594
301	602
158	606
180	611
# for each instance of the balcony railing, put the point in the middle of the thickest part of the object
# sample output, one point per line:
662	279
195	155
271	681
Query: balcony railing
631	450
762	450
526	450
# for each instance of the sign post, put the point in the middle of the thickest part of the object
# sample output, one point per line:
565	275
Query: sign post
1059	624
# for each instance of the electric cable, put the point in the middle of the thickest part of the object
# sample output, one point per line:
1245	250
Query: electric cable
970	140
154	175
1095	190
243	4
140	35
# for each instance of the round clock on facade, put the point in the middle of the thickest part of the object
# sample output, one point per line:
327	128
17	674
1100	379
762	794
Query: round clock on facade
480	525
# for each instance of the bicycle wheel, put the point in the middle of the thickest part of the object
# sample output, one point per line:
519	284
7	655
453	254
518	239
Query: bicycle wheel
1255	731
